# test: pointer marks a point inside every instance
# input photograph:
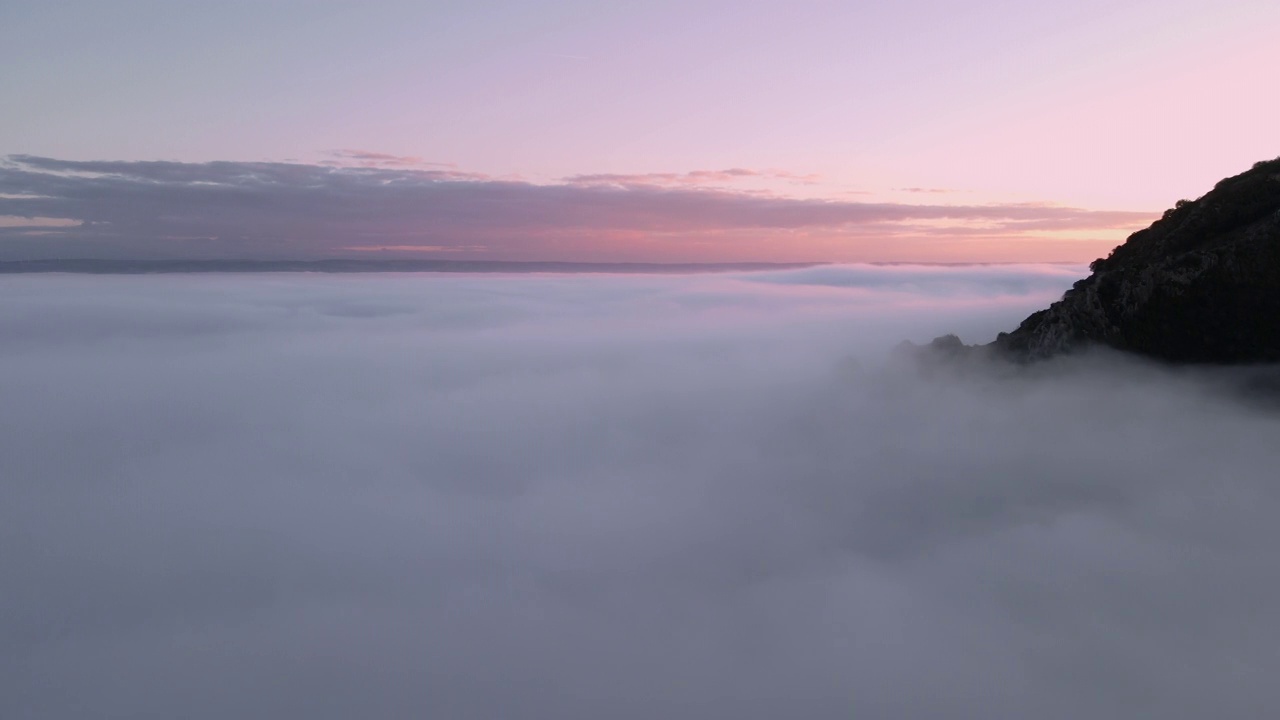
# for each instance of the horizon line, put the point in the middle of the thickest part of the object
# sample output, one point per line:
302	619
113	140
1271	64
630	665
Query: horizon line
140	266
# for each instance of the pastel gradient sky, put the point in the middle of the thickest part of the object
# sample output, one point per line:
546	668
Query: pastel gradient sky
562	130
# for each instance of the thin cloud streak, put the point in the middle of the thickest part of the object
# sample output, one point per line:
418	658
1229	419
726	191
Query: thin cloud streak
693	178
366	158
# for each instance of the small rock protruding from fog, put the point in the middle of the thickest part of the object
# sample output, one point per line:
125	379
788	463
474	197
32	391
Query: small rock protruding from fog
947	351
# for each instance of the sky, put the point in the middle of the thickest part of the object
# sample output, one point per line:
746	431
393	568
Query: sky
641	496
623	131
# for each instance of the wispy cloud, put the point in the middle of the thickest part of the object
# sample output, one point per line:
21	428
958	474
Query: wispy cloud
415	248
269	209
14	221
367	158
692	178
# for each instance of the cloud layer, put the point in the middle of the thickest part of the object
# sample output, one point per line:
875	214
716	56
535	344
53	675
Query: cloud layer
626	497
297	211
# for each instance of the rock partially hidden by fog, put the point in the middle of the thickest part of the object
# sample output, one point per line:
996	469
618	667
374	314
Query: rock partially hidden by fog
942	349
617	497
1202	284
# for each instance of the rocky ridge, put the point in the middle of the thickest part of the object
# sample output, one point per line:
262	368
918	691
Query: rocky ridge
1200	285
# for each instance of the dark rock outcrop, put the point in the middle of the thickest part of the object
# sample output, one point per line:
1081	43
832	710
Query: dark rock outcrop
1200	285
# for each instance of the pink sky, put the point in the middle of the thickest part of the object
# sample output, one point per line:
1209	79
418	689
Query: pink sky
1122	106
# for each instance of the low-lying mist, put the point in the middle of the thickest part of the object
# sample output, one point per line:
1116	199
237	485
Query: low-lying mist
581	496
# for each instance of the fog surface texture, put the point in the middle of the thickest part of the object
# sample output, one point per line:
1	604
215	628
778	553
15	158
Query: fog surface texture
591	496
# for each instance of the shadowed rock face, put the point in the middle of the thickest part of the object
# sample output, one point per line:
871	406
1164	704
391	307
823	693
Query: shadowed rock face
1202	285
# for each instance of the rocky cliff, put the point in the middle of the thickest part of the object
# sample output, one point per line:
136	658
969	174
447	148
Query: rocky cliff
1201	284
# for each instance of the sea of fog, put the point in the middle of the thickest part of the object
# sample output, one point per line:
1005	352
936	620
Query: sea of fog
623	497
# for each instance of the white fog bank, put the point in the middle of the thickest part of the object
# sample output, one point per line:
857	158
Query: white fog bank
592	496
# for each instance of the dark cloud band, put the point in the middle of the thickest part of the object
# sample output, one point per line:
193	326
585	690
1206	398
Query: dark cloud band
272	210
